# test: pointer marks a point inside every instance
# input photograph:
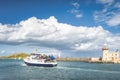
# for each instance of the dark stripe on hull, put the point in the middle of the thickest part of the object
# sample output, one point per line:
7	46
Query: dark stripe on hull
42	65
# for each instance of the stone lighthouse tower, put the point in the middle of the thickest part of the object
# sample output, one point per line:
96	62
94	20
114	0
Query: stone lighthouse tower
109	56
105	51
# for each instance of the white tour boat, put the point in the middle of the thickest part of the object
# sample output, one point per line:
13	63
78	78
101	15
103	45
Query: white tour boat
40	60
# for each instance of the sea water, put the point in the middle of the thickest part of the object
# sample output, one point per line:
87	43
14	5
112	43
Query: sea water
17	70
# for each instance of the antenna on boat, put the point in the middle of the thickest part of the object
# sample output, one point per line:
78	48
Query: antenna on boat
59	53
36	50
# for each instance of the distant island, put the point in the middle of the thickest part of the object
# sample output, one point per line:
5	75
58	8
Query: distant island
15	56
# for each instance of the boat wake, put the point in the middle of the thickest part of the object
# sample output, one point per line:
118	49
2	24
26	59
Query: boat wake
22	64
87	70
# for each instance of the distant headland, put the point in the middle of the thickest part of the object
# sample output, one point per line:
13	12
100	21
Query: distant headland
15	56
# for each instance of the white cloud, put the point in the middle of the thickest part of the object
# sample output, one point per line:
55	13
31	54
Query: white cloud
78	15
3	51
76	5
114	21
109	13
117	5
52	34
75	10
105	1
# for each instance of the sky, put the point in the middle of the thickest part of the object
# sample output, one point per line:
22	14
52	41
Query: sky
74	28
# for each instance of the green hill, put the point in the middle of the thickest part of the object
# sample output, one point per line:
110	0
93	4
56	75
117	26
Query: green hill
15	56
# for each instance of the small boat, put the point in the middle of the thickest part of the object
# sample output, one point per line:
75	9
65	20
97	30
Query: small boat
40	60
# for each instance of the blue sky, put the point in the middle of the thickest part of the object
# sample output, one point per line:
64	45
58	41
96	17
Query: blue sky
13	11
76	27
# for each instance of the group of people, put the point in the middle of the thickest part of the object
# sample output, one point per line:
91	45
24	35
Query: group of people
43	56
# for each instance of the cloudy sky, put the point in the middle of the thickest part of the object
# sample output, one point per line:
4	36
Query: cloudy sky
76	28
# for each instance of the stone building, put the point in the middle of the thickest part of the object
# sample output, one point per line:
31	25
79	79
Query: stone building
109	56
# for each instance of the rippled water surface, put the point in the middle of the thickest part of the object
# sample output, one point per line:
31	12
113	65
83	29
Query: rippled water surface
17	70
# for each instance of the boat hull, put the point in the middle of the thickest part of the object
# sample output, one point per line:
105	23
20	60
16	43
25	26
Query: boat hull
41	64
